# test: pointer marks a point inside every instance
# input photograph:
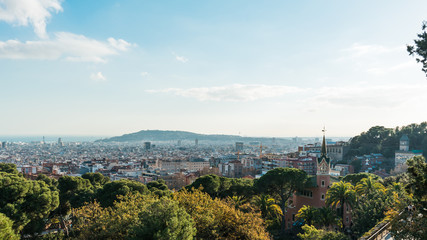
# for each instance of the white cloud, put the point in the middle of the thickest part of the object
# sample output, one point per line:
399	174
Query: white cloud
144	74
97	77
29	12
180	58
359	50
235	92
66	46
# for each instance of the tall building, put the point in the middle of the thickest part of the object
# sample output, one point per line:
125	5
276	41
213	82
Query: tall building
196	142
147	145
60	143
239	146
3	145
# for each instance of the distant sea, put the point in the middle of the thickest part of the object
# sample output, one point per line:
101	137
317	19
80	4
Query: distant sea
50	139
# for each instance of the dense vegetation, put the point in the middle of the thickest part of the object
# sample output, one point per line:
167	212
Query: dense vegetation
383	140
93	207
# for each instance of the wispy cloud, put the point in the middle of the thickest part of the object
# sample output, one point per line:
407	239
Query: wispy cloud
359	50
29	12
99	77
66	46
235	92
180	58
144	74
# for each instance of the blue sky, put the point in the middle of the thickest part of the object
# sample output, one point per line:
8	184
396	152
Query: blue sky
254	68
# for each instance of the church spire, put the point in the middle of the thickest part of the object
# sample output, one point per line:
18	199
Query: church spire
323	151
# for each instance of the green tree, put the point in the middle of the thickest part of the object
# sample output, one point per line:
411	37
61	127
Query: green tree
210	183
369	186
26	202
282	183
8	168
309	214
312	233
6	230
96	179
355	178
109	192
327	217
341	194
215	219
419	50
163	220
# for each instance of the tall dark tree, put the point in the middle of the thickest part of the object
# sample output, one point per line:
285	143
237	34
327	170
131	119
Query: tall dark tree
419	50
282	183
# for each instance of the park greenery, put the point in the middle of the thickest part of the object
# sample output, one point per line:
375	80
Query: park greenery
212	207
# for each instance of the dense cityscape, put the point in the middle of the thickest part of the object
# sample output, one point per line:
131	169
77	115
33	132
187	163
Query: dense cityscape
205	120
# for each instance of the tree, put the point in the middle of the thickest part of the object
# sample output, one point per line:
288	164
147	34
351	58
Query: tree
8	167
108	194
282	183
96	179
210	184
369	186
312	233
419	50
163	219
355	178
341	194
215	219
26	202
6	230
308	213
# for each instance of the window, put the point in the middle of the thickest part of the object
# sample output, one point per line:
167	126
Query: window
323	183
293	217
323	197
346	219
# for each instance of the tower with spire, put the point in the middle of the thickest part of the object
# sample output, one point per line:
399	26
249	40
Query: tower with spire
323	162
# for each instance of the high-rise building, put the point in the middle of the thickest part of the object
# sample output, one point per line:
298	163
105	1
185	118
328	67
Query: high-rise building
147	145
3	145
239	146
196	142
60	143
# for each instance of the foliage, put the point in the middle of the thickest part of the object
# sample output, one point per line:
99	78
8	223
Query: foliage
282	183
341	194
108	194
215	219
410	222
163	219
73	192
311	233
8	168
368	186
26	202
308	214
6	230
223	187
355	178
159	188
420	48
96	179
383	140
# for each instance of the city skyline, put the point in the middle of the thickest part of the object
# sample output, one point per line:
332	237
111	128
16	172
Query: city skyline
249	68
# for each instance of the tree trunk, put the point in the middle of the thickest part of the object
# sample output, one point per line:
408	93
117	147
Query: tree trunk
283	224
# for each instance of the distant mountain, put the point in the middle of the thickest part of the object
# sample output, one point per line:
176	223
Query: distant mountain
159	135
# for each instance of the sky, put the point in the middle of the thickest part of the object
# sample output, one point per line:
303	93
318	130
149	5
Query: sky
241	67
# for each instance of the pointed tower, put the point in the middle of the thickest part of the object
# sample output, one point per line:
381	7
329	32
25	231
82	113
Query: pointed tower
323	162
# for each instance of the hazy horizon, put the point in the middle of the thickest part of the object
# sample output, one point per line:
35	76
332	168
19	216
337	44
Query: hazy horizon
243	67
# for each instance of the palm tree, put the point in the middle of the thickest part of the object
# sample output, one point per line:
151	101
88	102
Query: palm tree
369	185
308	213
327	217
268	206
341	194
